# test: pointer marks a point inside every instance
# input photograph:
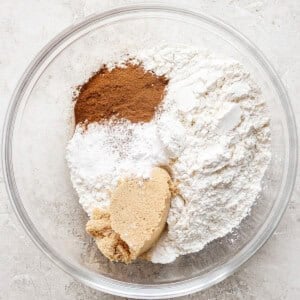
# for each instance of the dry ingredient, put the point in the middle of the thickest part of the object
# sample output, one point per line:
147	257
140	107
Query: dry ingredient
139	210
108	241
220	139
127	92
213	127
104	153
136	219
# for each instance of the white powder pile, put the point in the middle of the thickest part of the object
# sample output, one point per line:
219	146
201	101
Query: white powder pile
101	155
214	127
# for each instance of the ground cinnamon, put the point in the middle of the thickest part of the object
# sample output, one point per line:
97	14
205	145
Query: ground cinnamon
129	92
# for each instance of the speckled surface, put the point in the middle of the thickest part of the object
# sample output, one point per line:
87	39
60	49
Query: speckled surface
25	26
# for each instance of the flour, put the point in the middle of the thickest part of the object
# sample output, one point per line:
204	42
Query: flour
221	140
213	127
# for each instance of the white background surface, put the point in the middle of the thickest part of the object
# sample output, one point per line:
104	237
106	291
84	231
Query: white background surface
25	27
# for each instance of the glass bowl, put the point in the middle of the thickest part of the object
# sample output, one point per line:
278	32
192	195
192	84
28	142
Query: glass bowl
39	124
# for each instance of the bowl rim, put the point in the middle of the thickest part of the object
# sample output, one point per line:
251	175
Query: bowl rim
133	290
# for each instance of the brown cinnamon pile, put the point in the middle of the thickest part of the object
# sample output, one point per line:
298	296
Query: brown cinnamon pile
130	92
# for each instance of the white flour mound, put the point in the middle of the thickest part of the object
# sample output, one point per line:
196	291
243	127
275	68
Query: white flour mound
214	126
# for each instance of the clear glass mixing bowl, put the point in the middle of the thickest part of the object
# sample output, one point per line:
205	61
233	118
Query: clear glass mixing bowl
39	123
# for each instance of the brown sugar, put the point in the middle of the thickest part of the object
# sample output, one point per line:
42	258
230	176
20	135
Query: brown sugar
137	217
108	241
139	210
127	92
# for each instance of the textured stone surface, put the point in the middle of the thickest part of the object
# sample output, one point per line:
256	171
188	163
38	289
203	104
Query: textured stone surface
25	26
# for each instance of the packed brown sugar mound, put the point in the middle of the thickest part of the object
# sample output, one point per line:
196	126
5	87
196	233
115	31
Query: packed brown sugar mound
137	216
127	92
107	240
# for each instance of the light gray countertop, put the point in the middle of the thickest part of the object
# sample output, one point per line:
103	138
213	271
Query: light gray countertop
26	26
